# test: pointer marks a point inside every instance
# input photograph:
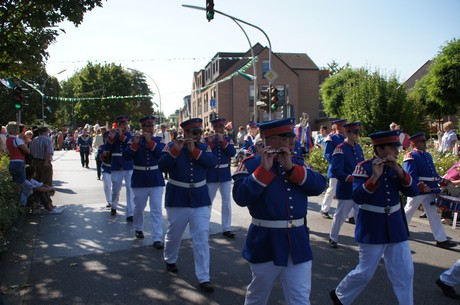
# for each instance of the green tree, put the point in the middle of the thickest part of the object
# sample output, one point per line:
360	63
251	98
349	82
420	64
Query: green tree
98	81
28	27
439	90
373	99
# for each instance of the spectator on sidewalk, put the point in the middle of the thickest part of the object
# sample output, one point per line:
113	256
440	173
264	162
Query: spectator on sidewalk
105	157
38	194
449	139
97	142
17	150
42	152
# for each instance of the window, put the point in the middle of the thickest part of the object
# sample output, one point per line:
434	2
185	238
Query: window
251	95
265	66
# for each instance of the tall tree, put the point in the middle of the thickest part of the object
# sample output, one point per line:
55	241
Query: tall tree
373	99
101	83
28	27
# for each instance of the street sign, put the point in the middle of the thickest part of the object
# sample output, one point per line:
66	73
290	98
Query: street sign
271	75
212	103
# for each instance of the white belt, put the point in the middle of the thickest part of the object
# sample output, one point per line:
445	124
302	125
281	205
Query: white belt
117	154
106	164
222	165
428	178
145	168
187	185
278	224
382	210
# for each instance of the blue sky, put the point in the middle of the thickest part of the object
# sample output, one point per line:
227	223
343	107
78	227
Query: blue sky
169	42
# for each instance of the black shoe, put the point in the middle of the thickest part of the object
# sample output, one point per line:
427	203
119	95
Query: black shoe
139	234
113	212
87	166
334	298
108	205
448	291
446	244
172	268
333	244
229	234
158	245
206	287
423	215
351	220
129	219
326	215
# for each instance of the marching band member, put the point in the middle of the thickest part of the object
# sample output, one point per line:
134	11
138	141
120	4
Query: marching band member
220	177
274	187
147	181
381	230
187	198
419	164
119	139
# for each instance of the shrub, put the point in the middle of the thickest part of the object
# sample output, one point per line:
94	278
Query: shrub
9	203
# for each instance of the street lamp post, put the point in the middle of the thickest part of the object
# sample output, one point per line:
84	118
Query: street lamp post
269	49
43	95
158	89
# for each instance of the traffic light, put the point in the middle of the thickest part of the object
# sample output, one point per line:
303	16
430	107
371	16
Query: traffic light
209	10
17	97
264	99
274	95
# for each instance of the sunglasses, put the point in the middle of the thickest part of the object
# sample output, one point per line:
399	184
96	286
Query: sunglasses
147	125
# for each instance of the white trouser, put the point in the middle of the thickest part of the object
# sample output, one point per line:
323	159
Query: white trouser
155	197
198	221
226	210
295	279
117	180
431	212
399	266
451	277
107	183
329	195
344	207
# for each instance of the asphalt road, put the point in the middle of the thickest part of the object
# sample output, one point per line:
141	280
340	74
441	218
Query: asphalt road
85	256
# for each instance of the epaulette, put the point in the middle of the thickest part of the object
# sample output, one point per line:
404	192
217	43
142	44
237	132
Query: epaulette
408	157
360	171
338	150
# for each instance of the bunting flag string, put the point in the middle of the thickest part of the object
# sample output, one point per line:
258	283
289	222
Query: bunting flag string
236	73
153	59
79	99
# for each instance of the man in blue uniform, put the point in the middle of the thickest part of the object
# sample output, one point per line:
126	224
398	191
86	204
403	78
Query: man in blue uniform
187	198
119	139
220	177
274	187
344	160
147	181
332	140
419	164
381	230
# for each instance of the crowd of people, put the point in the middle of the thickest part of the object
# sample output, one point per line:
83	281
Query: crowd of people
185	169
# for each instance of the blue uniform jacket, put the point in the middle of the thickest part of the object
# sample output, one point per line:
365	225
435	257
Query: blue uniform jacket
116	147
274	195
248	142
344	160
380	228
420	166
330	144
187	167
224	151
85	143
105	165
146	155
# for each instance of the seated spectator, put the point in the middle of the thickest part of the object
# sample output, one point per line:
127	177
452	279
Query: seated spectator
38	194
452	189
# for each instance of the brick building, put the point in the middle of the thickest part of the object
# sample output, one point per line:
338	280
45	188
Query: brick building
220	89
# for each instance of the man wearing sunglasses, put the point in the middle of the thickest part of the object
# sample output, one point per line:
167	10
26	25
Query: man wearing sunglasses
220	176
419	164
344	160
187	200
